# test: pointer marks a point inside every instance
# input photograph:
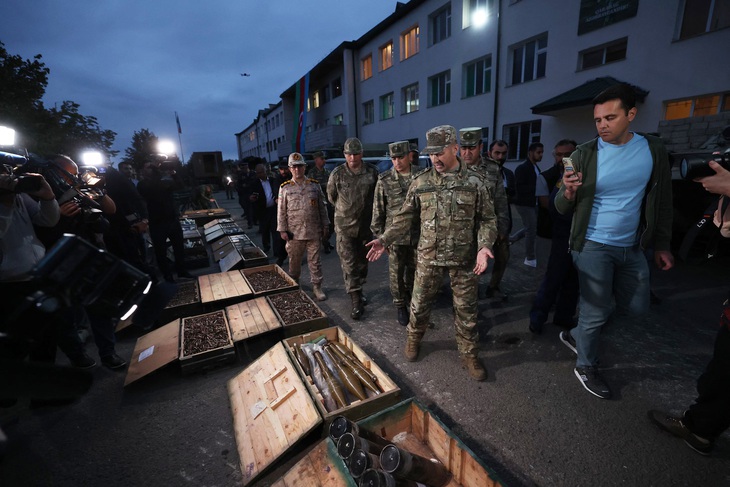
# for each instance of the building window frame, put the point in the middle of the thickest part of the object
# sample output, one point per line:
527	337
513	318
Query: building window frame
366	70
439	23
699	17
519	136
697	106
603	54
387	106
368	112
470	7
439	89
336	87
410	41
528	59
409	96
386	55
338	119
477	77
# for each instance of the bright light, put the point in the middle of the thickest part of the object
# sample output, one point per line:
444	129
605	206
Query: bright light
166	147
480	17
129	313
92	158
147	289
7	136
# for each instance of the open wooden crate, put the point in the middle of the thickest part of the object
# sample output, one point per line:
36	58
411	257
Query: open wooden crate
220	289
275	407
185	302
193	362
291	284
301	324
320	467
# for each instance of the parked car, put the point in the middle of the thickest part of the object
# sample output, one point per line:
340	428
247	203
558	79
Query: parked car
385	163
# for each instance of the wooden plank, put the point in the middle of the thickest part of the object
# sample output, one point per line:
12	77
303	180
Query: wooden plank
242	287
154	350
321	467
236	322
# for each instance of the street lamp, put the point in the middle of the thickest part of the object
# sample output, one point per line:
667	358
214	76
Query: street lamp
7	136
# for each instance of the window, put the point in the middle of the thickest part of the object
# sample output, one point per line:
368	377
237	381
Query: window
325	93
386	106
478	77
439	24
702	16
697	106
529	60
409	96
367	67
477	12
336	88
409	43
368	112
600	55
519	136
315	99
337	120
386	56
439	89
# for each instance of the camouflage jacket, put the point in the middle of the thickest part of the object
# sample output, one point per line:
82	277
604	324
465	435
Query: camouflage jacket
321	175
352	196
489	170
390	193
301	210
455	214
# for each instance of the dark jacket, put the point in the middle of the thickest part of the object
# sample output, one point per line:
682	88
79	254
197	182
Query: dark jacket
260	204
656	215
525	180
158	193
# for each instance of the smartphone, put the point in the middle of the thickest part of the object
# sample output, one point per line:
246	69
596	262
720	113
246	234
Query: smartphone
568	164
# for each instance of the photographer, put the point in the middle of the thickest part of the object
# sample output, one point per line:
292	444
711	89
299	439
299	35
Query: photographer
709	416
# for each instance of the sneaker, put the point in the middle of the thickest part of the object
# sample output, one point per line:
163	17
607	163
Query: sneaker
113	361
592	381
568	340
676	427
413	346
474	367
83	361
530	262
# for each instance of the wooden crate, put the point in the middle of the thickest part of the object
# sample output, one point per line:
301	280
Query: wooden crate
214	235
218	244
208	358
291	283
222	251
176	309
202	217
223	288
359	408
320	467
217	222
251	318
301	326
253	257
419	431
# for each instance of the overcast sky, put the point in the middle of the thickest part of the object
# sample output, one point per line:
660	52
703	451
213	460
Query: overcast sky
133	63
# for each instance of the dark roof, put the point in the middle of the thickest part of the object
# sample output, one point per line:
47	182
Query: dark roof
582	95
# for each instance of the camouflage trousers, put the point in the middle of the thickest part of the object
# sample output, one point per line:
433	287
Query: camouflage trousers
501	257
354	262
295	249
401	269
464	287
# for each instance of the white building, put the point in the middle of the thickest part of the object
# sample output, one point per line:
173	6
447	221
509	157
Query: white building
526	74
263	137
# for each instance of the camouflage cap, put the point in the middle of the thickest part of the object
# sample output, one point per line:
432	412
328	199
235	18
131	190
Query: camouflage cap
296	159
353	146
439	138
414	148
398	149
470	137
317	154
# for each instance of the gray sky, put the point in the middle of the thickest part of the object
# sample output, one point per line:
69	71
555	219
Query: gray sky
133	63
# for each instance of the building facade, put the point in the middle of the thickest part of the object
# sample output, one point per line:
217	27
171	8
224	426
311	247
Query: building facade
523	70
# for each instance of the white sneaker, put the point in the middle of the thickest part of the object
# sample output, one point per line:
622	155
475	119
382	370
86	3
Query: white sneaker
531	262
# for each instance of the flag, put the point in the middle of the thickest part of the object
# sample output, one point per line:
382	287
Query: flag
177	120
300	108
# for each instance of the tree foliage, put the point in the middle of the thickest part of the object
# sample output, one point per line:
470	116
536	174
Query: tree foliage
143	148
63	130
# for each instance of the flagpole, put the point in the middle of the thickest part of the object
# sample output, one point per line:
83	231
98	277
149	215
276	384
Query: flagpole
179	138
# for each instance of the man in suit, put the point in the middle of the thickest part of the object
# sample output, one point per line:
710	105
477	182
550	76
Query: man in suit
264	193
525	200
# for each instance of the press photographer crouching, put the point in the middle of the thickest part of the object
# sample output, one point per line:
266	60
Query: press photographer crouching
709	416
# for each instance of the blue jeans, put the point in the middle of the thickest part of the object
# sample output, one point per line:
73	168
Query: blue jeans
607	274
528	214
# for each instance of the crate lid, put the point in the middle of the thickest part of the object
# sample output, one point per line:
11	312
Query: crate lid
251	318
272	411
320	467
222	252
231	261
220	243
154	350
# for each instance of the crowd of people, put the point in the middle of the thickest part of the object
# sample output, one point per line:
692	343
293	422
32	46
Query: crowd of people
603	204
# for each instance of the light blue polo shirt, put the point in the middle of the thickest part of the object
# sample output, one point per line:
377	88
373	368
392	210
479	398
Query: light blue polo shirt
623	172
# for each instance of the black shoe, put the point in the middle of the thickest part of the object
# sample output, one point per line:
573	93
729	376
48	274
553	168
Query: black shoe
113	361
654	299
82	361
364	300
592	381
676	427
403	316
567	324
357	309
567	339
495	292
535	328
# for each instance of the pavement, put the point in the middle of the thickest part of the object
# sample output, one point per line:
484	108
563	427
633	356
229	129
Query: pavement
531	421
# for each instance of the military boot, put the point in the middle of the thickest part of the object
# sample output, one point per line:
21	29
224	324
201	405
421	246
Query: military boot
413	346
402	315
318	293
474	367
357	308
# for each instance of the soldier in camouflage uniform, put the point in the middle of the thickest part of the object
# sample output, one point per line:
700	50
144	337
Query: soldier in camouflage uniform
322	175
390	192
350	190
303	221
455	213
470	147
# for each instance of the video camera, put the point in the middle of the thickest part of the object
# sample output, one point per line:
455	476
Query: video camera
20	183
692	168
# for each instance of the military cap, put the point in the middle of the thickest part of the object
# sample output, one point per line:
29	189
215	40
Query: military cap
398	149
414	148
317	154
438	138
296	159
353	146
470	137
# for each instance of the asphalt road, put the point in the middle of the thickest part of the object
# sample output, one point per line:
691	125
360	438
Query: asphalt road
531	421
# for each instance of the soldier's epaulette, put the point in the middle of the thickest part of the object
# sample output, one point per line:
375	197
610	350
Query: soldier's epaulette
422	171
288	181
312	180
385	174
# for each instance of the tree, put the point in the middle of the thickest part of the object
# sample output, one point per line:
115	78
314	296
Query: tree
143	148
58	130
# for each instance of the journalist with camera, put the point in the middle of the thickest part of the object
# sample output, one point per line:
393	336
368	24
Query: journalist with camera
705	420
